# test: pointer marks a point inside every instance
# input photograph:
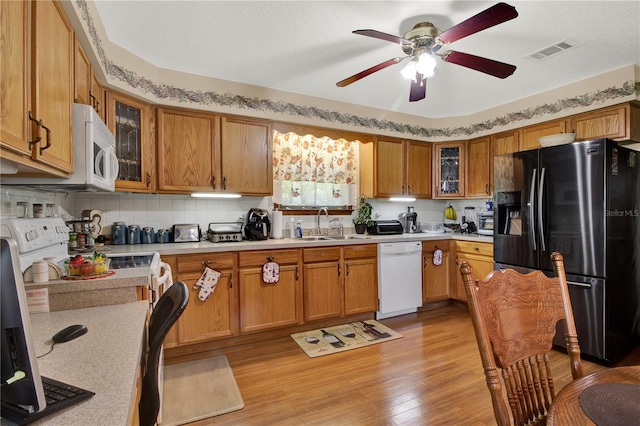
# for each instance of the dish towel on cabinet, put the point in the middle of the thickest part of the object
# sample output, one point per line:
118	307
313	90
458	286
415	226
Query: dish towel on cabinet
207	283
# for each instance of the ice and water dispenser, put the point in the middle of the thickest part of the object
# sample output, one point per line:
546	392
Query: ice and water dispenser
509	213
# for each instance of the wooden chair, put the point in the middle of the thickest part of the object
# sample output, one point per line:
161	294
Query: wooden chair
514	318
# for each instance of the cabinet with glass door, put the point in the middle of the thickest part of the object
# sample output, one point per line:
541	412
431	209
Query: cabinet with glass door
449	172
130	122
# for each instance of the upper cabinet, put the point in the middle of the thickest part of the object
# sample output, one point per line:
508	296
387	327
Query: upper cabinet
187	151
478	176
505	142
88	89
402	167
36	102
246	154
449	169
531	134
131	122
616	122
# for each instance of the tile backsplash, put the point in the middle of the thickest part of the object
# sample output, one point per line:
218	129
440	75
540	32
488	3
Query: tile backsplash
162	211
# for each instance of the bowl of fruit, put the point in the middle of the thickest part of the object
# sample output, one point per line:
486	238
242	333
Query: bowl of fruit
87	266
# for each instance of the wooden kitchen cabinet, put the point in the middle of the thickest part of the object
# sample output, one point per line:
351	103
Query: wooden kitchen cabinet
478	175
323	292
477	254
246	154
131	122
505	143
87	88
435	278
360	279
187	156
402	167
449	169
35	102
264	306
531	134
612	122
217	316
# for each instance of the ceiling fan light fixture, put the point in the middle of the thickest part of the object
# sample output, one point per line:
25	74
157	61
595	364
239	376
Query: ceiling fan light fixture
426	65
409	71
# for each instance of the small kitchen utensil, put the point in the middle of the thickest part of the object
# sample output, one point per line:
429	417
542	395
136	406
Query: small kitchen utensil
162	236
119	233
133	234
147	236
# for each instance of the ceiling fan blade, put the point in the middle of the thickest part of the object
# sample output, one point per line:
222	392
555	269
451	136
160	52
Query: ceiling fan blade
362	74
383	36
478	63
418	88
495	15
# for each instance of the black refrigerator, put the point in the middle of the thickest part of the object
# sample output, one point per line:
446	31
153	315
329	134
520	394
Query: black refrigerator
582	200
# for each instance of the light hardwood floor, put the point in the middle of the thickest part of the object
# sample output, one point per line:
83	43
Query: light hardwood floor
432	376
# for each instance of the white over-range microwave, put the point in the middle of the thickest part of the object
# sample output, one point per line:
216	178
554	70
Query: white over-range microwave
95	165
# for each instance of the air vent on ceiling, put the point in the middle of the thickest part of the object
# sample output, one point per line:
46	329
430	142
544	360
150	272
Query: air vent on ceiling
553	50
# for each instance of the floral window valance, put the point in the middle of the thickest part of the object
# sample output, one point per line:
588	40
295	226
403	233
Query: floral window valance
312	171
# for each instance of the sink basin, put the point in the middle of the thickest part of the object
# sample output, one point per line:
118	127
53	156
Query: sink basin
349	237
314	238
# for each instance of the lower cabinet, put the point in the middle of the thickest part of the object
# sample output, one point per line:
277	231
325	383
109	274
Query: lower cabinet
264	305
479	256
215	317
340	281
435	278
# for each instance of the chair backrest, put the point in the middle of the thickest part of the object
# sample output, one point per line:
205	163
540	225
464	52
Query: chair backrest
166	312
514	318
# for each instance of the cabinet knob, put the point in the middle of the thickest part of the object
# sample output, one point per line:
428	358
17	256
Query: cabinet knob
476	248
205	262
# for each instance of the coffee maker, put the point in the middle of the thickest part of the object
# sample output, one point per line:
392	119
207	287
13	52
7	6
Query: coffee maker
258	225
409	220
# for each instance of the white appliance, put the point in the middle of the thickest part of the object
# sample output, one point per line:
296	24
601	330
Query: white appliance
95	164
399	278
37	239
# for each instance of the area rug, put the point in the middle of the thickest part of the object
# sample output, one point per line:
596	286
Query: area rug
340	338
198	390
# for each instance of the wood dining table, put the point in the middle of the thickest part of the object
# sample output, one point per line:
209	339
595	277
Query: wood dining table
566	408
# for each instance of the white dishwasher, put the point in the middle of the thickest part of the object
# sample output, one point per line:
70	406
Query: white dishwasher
399	278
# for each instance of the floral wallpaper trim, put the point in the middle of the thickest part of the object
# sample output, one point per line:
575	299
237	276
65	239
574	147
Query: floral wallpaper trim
164	91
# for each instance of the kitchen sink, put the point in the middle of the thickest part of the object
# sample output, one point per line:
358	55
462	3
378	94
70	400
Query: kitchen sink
314	238
349	237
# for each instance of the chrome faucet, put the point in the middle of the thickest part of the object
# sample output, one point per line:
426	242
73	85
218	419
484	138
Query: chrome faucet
326	212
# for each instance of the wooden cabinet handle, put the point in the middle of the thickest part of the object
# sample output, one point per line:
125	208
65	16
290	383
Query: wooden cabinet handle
297	273
48	138
425	261
148	179
402	189
38	124
408	190
230	279
339	269
347	265
224	183
213	181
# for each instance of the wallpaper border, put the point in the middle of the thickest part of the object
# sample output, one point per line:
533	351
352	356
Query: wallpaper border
165	91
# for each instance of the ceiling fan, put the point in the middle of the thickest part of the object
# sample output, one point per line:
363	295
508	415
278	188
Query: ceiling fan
424	41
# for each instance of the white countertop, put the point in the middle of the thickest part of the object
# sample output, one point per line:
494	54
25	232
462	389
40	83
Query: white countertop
105	360
273	244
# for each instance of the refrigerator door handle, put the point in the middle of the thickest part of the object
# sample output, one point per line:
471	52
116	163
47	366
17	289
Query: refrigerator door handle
531	215
573	283
540	209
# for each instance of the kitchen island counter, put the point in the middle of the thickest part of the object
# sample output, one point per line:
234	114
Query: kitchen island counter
106	360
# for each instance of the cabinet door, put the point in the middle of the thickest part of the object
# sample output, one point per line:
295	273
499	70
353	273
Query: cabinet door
449	172
603	123
246	153
96	95
82	74
481	265
130	121
186	158
531	134
52	91
435	278
171	340
479	167
360	286
14	102
322	291
419	168
213	318
389	168
266	306
505	143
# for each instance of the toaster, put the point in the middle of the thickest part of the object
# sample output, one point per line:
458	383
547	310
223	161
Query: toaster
186	232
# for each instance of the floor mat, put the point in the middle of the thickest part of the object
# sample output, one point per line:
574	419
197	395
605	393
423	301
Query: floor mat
344	337
199	389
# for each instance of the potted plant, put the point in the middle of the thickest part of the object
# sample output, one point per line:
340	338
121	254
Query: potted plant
363	216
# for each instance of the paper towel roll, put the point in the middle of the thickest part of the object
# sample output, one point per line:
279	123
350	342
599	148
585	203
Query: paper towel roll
276	224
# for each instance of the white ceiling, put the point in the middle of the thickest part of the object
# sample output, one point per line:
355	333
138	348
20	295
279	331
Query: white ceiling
307	46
